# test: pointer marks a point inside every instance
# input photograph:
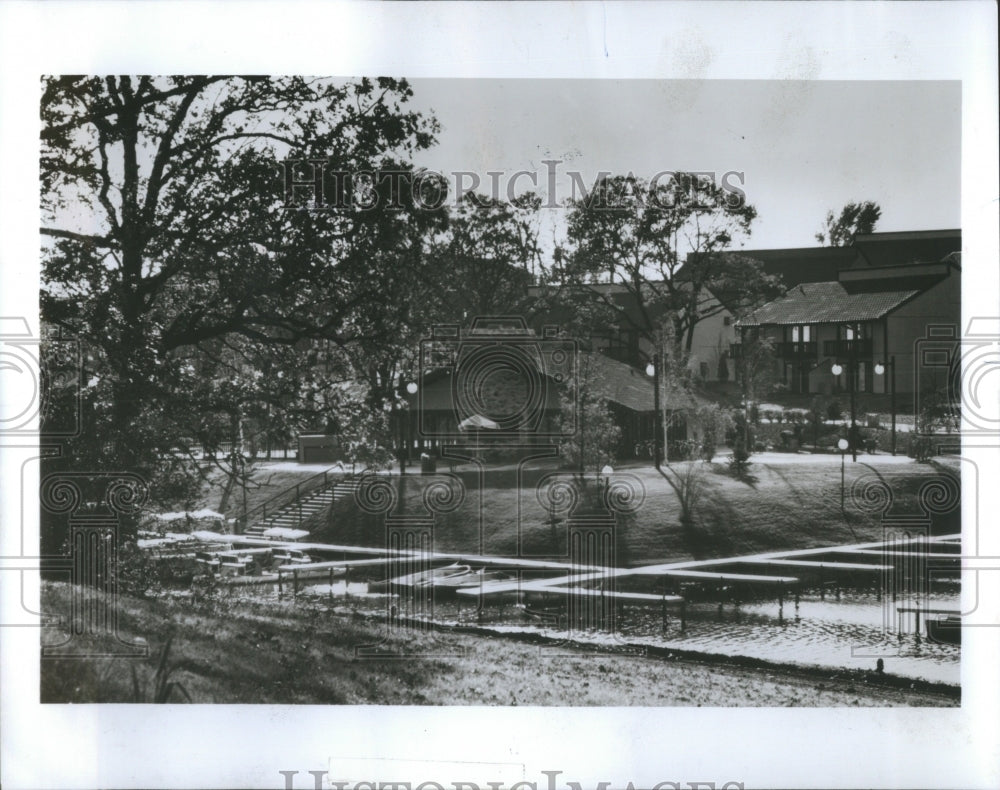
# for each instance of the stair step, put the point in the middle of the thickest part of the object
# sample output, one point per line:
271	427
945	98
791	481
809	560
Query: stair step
312	503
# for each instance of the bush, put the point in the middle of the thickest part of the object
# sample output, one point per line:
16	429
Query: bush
921	448
827	440
716	426
739	462
797	416
834	411
682	450
755	414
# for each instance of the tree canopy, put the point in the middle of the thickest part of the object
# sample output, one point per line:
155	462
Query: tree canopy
855	219
167	234
648	252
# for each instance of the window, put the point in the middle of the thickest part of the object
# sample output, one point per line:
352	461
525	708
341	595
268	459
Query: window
855	331
801	334
727	320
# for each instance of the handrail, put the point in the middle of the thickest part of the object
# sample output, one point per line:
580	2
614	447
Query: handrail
260	512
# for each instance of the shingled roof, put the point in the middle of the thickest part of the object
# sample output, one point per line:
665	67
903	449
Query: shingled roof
825	303
630	387
617	382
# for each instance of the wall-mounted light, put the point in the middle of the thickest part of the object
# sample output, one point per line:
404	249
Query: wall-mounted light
879	368
412	388
650	369
837	369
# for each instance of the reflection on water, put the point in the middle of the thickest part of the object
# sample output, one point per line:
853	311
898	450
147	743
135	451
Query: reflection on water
851	632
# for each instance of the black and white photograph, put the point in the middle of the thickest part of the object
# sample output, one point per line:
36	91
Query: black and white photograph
577	400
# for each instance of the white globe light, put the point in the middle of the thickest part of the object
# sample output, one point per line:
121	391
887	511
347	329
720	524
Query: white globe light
837	369
650	369
412	388
879	368
842	444
607	470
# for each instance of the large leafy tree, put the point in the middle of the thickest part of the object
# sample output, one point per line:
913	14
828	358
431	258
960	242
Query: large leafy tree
167	233
490	250
855	219
654	252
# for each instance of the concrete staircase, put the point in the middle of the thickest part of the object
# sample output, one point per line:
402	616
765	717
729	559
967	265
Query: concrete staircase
301	510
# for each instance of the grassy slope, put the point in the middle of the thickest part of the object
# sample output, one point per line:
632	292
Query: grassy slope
785	505
242	652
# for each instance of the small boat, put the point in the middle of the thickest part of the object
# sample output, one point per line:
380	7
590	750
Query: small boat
418	579
469	579
946	629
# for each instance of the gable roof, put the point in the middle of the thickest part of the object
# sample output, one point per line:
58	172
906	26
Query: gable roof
826	303
617	382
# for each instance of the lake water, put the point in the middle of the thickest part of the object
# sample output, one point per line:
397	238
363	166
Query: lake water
851	632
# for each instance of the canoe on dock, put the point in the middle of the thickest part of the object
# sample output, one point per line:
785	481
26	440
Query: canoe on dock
417	580
470	580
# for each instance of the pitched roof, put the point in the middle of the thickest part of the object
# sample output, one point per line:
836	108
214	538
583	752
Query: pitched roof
630	387
826	303
617	382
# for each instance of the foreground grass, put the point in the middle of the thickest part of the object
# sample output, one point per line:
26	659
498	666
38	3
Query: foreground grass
239	651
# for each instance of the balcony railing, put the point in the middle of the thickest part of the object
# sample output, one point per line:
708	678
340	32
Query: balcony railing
798	350
848	348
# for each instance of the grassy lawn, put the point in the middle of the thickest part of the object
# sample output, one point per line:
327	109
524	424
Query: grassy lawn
255	652
787	502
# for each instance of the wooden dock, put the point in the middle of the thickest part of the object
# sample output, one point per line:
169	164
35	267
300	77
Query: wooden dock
569	579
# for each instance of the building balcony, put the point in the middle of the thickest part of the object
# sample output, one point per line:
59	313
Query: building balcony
843	349
799	350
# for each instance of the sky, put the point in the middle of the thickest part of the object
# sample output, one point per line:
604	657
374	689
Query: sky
804	147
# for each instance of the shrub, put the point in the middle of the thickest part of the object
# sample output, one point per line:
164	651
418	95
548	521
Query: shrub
739	462
797	416
716	425
921	448
834	411
827	440
755	414
682	450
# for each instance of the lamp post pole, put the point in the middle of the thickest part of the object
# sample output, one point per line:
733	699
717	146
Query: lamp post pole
854	388
402	415
890	369
842	445
658	423
653	369
892	398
